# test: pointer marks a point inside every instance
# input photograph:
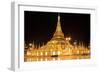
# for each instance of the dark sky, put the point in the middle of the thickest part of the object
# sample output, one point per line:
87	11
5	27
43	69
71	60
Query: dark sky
40	26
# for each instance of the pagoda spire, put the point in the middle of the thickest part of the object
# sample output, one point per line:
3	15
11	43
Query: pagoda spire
58	25
58	33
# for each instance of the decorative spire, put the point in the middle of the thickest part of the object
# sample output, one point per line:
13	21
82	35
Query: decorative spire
58	25
58	33
33	46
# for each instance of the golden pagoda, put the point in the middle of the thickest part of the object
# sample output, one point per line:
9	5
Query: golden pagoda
58	33
58	41
57	47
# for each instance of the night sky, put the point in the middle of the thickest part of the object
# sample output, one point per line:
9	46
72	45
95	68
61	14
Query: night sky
40	26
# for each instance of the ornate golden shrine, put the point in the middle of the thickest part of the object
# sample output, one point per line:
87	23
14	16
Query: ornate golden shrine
58	46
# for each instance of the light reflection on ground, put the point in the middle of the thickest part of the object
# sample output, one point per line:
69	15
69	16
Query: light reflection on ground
41	58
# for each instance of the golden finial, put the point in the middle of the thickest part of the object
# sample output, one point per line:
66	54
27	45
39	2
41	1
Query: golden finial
58	24
58	18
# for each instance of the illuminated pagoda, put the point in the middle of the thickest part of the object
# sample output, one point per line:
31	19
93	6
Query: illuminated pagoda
57	47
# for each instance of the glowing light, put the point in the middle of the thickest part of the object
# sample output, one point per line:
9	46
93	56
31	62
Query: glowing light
69	38
41	53
58	52
30	44
58	58
54	53
54	59
46	53
28	53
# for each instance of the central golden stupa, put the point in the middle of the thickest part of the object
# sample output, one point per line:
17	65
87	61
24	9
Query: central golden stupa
57	48
58	33
57	42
